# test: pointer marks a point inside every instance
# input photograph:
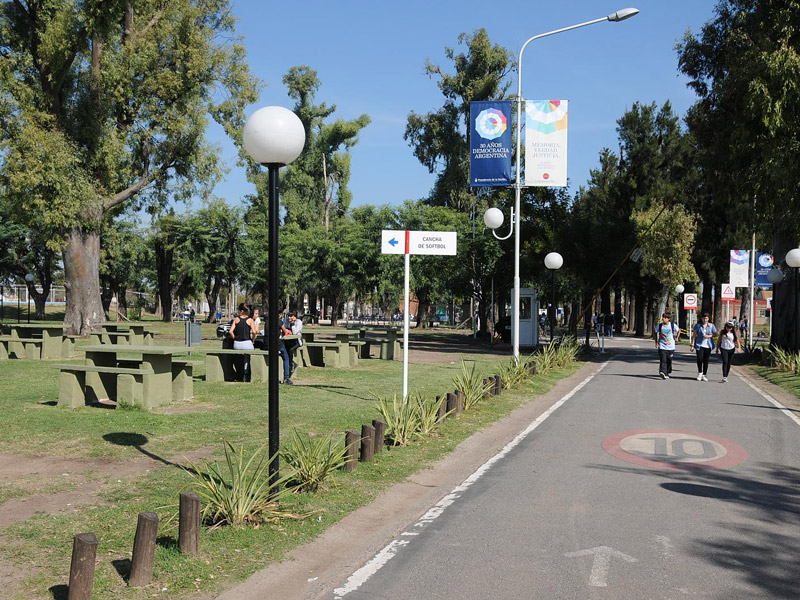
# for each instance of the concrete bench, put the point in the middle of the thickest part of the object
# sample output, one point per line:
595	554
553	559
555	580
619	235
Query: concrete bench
125	385
117	337
182	381
30	348
68	346
389	347
221	364
325	354
355	348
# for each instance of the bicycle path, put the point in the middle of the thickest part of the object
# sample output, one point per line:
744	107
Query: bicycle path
633	487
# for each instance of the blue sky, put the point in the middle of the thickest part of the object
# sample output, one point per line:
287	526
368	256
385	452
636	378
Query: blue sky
370	58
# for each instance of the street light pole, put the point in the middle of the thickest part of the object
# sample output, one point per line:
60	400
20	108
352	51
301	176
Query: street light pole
28	281
553	261
617	16
678	291
775	276
273	136
793	260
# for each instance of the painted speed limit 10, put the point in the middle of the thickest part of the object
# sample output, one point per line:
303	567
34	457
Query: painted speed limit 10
674	449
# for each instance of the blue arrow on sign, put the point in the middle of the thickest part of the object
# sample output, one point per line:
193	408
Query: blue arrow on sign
393	242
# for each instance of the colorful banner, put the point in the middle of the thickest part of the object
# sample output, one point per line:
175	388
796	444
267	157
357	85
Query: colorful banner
763	267
740	268
490	143
546	143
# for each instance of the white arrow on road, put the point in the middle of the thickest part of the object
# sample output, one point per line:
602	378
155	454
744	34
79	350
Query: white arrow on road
602	562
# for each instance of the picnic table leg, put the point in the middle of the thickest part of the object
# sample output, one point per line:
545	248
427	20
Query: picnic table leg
214	370
259	368
72	389
4	350
160	391
100	386
182	383
51	343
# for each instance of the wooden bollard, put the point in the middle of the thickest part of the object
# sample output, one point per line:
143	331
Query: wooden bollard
81	571
189	523
440	414
532	367
451	403
380	434
459	402
498	385
489	390
351	455
367	443
144	549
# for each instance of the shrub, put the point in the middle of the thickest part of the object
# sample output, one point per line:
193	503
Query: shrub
513	372
471	384
401	418
784	360
238	491
311	461
427	412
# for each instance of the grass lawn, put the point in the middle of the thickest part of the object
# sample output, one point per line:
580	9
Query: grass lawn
324	401
784	379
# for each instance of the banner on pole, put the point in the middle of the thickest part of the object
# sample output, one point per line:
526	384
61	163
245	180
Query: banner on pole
740	268
490	143
546	143
764	264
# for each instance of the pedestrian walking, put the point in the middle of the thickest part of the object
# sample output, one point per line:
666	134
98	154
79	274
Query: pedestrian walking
243	330
743	327
608	321
295	328
728	344
666	335
702	343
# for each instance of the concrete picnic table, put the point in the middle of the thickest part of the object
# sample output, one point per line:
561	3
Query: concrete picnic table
156	358
138	334
51	334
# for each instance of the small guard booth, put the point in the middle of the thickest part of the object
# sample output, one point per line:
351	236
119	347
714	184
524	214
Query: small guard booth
528	318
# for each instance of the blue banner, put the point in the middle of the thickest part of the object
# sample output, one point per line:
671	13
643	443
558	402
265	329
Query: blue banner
490	143
763	267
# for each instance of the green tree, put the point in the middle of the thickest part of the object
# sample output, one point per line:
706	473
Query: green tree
123	257
744	67
440	139
105	104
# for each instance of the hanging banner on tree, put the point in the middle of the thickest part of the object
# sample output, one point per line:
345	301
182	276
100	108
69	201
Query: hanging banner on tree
546	143
740	268
763	267
490	143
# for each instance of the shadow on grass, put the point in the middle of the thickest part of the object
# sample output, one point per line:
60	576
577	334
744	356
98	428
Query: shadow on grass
59	592
137	440
335	389
123	567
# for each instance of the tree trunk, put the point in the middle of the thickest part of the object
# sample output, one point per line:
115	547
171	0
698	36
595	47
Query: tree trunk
618	310
640	309
163	252
84	311
122	301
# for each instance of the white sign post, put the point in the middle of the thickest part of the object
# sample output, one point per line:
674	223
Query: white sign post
408	243
690	302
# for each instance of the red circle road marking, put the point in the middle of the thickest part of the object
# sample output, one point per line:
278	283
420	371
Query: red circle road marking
635	445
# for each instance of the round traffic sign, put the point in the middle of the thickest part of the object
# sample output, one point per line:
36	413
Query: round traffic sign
674	449
690	301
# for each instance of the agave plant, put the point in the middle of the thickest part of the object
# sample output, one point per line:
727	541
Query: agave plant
427	412
237	491
312	461
471	384
513	372
402	420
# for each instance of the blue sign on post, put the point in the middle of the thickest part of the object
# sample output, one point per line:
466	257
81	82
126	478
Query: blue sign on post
490	143
763	267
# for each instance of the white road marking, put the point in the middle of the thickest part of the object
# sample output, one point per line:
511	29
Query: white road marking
602	563
772	401
360	577
666	544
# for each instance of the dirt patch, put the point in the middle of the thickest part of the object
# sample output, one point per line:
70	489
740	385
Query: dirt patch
180	409
88	475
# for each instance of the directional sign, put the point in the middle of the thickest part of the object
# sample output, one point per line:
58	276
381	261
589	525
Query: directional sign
419	242
690	302
728	292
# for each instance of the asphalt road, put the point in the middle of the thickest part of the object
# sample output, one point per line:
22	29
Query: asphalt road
634	488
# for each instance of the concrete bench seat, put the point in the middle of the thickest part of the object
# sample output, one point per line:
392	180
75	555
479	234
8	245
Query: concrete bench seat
222	364
182	378
389	347
68	346
324	354
125	385
30	348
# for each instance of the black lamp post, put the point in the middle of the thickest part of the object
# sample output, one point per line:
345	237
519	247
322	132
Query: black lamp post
273	136
793	260
553	261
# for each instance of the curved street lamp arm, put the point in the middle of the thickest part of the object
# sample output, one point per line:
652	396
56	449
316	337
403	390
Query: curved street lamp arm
510	229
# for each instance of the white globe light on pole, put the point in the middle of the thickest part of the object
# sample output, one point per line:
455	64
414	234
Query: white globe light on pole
793	260
493	218
620	15
678	291
553	261
273	137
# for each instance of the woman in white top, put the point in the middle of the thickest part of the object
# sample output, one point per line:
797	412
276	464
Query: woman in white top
703	343
728	344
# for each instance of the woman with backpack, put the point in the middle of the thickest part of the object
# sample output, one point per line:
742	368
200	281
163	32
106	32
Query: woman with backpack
728	344
703	343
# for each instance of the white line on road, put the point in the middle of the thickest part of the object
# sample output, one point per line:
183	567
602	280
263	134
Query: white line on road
602	562
360	577
772	401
